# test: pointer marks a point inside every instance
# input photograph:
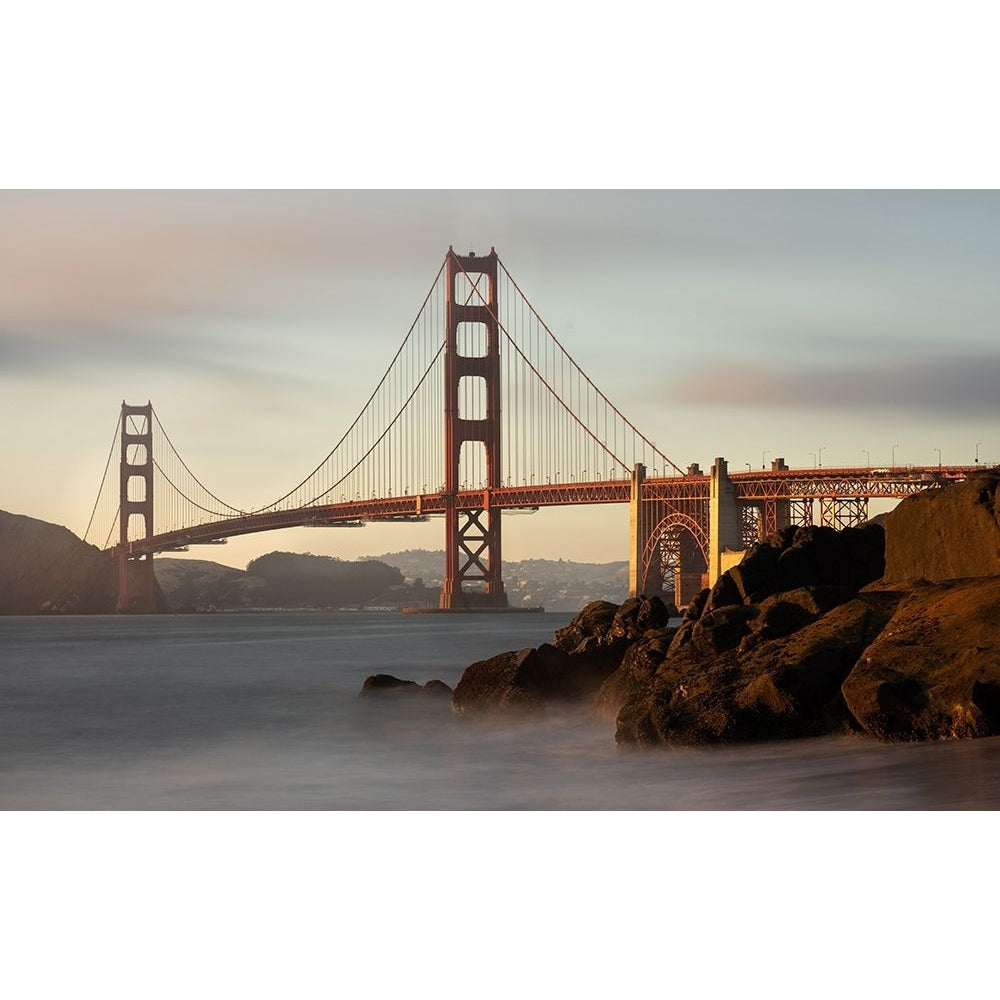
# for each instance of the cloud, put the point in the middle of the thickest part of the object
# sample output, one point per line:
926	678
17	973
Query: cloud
941	384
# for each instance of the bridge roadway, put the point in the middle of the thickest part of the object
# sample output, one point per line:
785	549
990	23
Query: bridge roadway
766	485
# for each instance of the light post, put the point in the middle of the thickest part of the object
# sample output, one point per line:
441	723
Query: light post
938	450
763	460
978	443
892	463
813	454
747	464
821	457
868	456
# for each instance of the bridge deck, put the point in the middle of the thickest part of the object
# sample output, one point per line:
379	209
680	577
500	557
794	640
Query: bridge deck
786	484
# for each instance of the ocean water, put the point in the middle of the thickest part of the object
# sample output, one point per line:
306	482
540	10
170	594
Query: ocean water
261	712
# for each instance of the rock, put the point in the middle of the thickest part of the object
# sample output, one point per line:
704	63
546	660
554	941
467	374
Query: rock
378	684
640	662
820	556
639	615
934	671
949	533
383	683
778	688
529	678
870	629
591	623
438	688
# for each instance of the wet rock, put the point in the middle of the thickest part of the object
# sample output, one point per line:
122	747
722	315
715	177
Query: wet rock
381	684
529	678
384	683
438	688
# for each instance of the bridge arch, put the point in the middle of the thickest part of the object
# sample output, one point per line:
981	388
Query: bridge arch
675	556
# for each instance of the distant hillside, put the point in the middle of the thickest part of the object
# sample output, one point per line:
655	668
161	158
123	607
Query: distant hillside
556	584
197	584
295	580
45	568
284	580
396	580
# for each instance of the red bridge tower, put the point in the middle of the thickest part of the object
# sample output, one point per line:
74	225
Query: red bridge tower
472	533
136	583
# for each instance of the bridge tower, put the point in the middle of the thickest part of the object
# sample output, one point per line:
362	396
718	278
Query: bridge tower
472	534
136	583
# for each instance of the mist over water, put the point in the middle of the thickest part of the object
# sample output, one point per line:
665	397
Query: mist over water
262	711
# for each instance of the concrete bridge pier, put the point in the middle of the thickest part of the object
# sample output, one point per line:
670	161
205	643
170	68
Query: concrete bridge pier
689	580
725	521
642	521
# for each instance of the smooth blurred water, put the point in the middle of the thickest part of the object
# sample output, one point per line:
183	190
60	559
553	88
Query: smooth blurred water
261	711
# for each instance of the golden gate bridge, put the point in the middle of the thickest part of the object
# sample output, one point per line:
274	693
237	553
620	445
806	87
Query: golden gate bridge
482	410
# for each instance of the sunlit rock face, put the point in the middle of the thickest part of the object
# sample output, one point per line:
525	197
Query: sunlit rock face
933	672
946	534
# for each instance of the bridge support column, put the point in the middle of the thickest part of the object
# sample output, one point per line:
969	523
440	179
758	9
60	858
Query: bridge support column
691	577
645	576
472	534
136	582
725	519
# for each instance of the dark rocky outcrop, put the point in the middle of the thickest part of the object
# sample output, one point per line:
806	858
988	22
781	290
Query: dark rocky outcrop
530	678
581	658
386	684
816	631
761	688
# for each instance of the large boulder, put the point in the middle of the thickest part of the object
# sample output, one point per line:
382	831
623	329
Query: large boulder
934	671
530	678
946	533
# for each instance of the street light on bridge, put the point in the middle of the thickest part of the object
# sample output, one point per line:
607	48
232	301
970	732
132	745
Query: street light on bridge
821	457
978	443
763	459
813	454
892	463
868	456
938	450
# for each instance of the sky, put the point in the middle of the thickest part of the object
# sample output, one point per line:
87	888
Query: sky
830	327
